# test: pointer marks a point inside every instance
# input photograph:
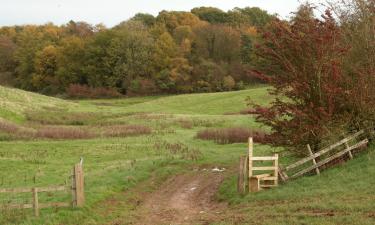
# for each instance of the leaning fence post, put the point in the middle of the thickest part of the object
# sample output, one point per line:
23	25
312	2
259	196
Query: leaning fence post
314	161
35	202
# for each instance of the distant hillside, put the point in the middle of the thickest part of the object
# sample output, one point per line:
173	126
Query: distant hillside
14	103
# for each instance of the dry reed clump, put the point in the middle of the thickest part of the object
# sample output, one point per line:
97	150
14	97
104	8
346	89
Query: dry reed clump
232	135
8	127
15	131
186	124
50	132
126	130
60	118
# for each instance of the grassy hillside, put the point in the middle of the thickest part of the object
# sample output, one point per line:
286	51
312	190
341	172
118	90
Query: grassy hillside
117	163
14	103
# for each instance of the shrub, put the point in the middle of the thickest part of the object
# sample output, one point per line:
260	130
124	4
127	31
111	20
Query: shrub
127	130
84	91
232	135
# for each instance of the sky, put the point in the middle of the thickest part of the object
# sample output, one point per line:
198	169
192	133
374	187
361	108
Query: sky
112	12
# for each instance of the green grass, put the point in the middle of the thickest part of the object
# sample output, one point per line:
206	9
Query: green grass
343	195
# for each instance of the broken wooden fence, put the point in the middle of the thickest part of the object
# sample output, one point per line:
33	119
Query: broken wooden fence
320	158
77	190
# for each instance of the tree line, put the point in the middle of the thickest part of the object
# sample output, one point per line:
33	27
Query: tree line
204	50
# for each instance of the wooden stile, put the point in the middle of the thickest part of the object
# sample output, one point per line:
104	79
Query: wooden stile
268	180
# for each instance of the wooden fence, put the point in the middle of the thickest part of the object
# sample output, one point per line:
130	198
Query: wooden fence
320	158
77	190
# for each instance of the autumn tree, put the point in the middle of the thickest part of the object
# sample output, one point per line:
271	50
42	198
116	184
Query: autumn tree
304	61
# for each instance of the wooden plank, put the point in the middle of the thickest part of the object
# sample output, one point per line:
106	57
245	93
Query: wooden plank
29	190
15	190
254	184
263	158
261	176
241	184
323	151
263	168
361	143
35	202
267	185
16	206
314	161
269	178
52	189
54	204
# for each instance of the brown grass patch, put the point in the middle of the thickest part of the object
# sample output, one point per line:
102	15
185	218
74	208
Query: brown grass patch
232	135
64	133
8	127
126	130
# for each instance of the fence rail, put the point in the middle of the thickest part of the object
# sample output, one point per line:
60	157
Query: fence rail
315	157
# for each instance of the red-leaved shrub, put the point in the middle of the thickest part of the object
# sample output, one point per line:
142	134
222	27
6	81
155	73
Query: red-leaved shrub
84	91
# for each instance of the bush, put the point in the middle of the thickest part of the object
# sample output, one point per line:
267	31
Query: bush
84	91
232	135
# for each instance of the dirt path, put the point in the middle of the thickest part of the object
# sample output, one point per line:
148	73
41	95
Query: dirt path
184	199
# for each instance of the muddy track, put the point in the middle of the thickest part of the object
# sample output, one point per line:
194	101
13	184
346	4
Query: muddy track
183	199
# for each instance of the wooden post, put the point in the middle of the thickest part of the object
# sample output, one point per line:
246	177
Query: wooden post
79	185
242	176
78	194
73	188
349	152
35	202
254	184
314	161
250	156
276	171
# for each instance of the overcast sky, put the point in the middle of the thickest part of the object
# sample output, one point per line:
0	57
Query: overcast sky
112	12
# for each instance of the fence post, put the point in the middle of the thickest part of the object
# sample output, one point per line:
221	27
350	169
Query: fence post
276	171
242	175
250	156
35	202
78	193
314	161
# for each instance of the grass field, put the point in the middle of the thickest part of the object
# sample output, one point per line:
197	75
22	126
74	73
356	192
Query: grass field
117	162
